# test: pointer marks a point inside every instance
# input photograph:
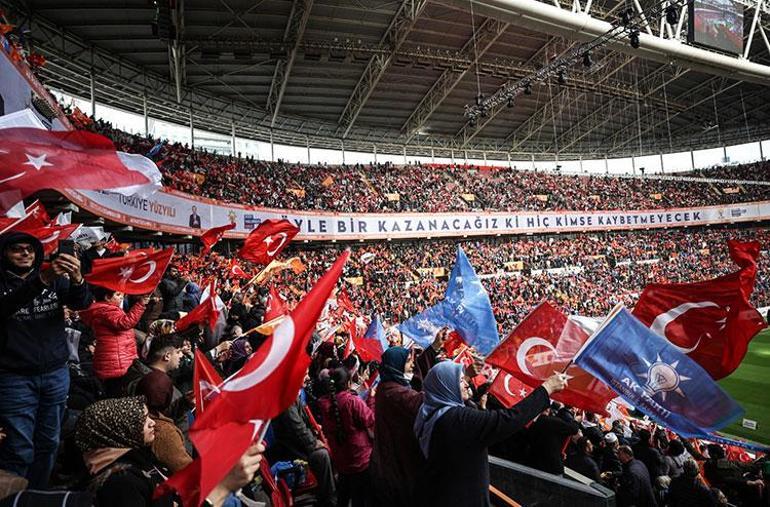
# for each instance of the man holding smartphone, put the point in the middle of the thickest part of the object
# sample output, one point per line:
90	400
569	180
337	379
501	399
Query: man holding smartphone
34	379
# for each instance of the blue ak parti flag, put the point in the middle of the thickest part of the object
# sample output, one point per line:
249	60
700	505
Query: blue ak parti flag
375	331
655	377
466	309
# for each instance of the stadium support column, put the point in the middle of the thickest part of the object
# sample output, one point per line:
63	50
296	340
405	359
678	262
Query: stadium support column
232	138
692	160
761	152
662	170
509	160
272	147
307	143
633	165
607	165
192	129
342	145
404	154
146	117
93	92
375	153
432	156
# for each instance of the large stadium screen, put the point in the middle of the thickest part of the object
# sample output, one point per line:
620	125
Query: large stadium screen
717	24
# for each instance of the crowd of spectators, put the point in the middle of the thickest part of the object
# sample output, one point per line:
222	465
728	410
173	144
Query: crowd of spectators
110	378
586	274
424	188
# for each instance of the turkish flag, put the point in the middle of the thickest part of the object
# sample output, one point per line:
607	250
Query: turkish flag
37	210
212	236
276	305
113	246
236	270
267	241
453	344
508	389
50	235
206	380
137	273
275	310
32	159
543	344
368	349
205	312
344	302
25	223
711	321
267	385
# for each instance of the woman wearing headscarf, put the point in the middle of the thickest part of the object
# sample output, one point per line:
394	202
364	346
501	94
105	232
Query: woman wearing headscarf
114	436
240	351
396	456
168	445
348	423
454	438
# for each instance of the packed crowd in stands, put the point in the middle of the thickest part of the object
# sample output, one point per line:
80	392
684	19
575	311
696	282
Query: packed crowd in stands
417	188
95	387
759	171
585	274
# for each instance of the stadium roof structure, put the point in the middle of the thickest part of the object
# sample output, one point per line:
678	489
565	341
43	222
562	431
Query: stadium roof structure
396	74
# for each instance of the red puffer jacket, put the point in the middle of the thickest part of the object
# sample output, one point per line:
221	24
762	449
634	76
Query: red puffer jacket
115	340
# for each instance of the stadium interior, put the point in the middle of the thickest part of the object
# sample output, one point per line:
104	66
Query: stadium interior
577	152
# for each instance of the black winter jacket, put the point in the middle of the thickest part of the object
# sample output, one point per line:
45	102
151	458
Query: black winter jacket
32	336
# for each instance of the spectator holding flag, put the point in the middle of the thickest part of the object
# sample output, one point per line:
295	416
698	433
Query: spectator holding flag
115	337
454	438
34	378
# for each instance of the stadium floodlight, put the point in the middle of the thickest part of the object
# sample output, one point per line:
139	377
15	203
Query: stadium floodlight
479	99
528	89
510	101
633	36
672	15
562	77
587	61
626	16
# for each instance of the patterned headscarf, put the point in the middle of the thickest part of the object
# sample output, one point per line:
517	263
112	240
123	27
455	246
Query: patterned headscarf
115	422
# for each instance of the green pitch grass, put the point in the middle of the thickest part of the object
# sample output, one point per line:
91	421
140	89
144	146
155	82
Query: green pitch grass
750	386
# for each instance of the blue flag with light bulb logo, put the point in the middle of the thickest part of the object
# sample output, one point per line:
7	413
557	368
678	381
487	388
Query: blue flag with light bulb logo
655	377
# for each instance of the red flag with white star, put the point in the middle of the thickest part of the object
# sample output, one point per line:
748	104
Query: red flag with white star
137	273
508	389
267	241
711	321
206	380
212	236
50	235
33	159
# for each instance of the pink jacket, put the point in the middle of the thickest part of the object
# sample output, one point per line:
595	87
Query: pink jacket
353	453
115	339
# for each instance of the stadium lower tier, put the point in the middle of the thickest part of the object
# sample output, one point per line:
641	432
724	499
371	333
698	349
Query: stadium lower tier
585	274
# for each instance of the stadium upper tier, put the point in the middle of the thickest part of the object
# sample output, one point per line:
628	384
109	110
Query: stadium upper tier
389	188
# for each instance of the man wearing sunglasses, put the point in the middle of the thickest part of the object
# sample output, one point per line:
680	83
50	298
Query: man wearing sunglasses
34	379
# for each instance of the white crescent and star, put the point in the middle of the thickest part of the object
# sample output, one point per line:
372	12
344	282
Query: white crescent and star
283	337
52	237
37	162
662	321
507	387
270	239
127	271
524	349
